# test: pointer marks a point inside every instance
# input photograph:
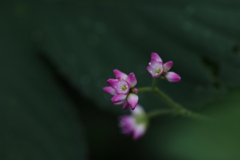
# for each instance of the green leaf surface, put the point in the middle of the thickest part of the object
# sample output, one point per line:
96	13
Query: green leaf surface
37	120
213	140
87	42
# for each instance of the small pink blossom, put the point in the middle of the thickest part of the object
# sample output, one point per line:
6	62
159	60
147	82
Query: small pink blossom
135	124
157	68
122	89
172	77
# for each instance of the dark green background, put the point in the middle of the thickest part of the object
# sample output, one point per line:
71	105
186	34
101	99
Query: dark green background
57	55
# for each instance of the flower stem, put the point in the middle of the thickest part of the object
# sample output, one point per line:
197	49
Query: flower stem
162	95
154	83
145	89
158	112
177	108
196	116
167	99
184	112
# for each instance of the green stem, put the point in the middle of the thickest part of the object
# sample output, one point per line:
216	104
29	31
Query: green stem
183	112
177	108
196	116
158	112
145	89
154	83
162	95
167	99
149	89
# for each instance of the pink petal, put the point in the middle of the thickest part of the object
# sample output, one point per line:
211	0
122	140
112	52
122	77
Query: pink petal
167	66
109	90
138	131
156	57
118	98
135	90
138	110
121	86
173	77
150	70
131	79
125	105
155	68
154	63
111	81
127	124
132	100
120	74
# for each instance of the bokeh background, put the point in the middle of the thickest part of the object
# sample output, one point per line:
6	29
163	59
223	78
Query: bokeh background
57	55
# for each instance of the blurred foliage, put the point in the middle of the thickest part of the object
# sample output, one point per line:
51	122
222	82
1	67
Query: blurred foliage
216	140
57	55
88	42
37	121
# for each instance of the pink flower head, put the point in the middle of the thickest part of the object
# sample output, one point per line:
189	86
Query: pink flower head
135	124
122	89
157	68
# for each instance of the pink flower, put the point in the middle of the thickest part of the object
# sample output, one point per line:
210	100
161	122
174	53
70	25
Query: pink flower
135	124
122	89
172	77
157	68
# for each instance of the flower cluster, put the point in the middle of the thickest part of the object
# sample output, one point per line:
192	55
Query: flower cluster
135	124
122	89
157	68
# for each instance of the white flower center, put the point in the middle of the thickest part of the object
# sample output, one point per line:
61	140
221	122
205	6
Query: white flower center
124	87
158	71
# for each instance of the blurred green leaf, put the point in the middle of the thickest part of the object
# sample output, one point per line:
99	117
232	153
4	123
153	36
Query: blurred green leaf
88	41
216	140
37	120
